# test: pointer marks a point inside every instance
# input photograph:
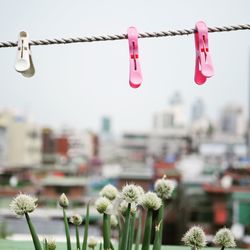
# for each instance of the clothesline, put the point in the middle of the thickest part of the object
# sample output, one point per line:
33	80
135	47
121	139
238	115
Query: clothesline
7	44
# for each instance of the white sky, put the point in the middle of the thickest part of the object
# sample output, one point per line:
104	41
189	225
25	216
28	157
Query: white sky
77	84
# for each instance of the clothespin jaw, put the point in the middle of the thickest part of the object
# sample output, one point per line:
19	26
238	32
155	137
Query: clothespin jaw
135	75
203	65
24	63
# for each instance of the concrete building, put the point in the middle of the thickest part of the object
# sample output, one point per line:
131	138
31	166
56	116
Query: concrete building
20	141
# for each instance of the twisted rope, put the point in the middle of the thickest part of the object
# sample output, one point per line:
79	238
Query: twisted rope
124	36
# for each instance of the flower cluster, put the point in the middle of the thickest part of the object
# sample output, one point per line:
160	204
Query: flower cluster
131	193
103	205
76	219
164	188
63	201
23	204
224	238
151	201
195	237
109	191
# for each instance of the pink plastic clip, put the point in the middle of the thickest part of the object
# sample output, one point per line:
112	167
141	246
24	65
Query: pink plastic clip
203	65
135	75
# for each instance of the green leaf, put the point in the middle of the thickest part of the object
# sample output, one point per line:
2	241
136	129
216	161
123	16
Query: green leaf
86	230
147	230
33	233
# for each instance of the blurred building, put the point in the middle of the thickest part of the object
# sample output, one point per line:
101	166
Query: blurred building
20	141
107	141
233	121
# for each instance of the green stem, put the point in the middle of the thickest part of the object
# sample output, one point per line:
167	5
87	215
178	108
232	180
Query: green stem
86	230
138	234
106	231
45	244
147	230
66	225
159	228
78	247
100	246
120	232
33	233
124	241
131	232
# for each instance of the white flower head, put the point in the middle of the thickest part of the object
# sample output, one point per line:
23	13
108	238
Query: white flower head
76	219
63	201
92	241
195	237
22	204
109	191
164	188
103	205
124	206
130	193
224	238
151	201
113	221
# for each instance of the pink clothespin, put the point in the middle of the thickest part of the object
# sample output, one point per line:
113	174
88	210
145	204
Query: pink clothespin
203	65
135	75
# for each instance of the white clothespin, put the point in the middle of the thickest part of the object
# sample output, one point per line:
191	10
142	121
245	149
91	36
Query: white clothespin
24	63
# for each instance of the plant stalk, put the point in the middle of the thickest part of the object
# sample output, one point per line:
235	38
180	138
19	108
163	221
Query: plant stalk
147	230
138	234
33	233
66	225
106	232
86	230
131	232
159	228
78	246
125	234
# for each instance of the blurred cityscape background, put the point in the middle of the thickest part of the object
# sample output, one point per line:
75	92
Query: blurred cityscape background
208	159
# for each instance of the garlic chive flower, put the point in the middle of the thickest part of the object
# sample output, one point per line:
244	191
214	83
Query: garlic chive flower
124	206
103	205
130	193
63	201
51	244
109	191
164	188
92	242
23	204
195	238
224	238
113	221
76	219
151	201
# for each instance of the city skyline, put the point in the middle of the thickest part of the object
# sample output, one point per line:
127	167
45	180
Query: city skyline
72	80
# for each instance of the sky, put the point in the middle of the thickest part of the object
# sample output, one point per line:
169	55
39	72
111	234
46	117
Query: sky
77	84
